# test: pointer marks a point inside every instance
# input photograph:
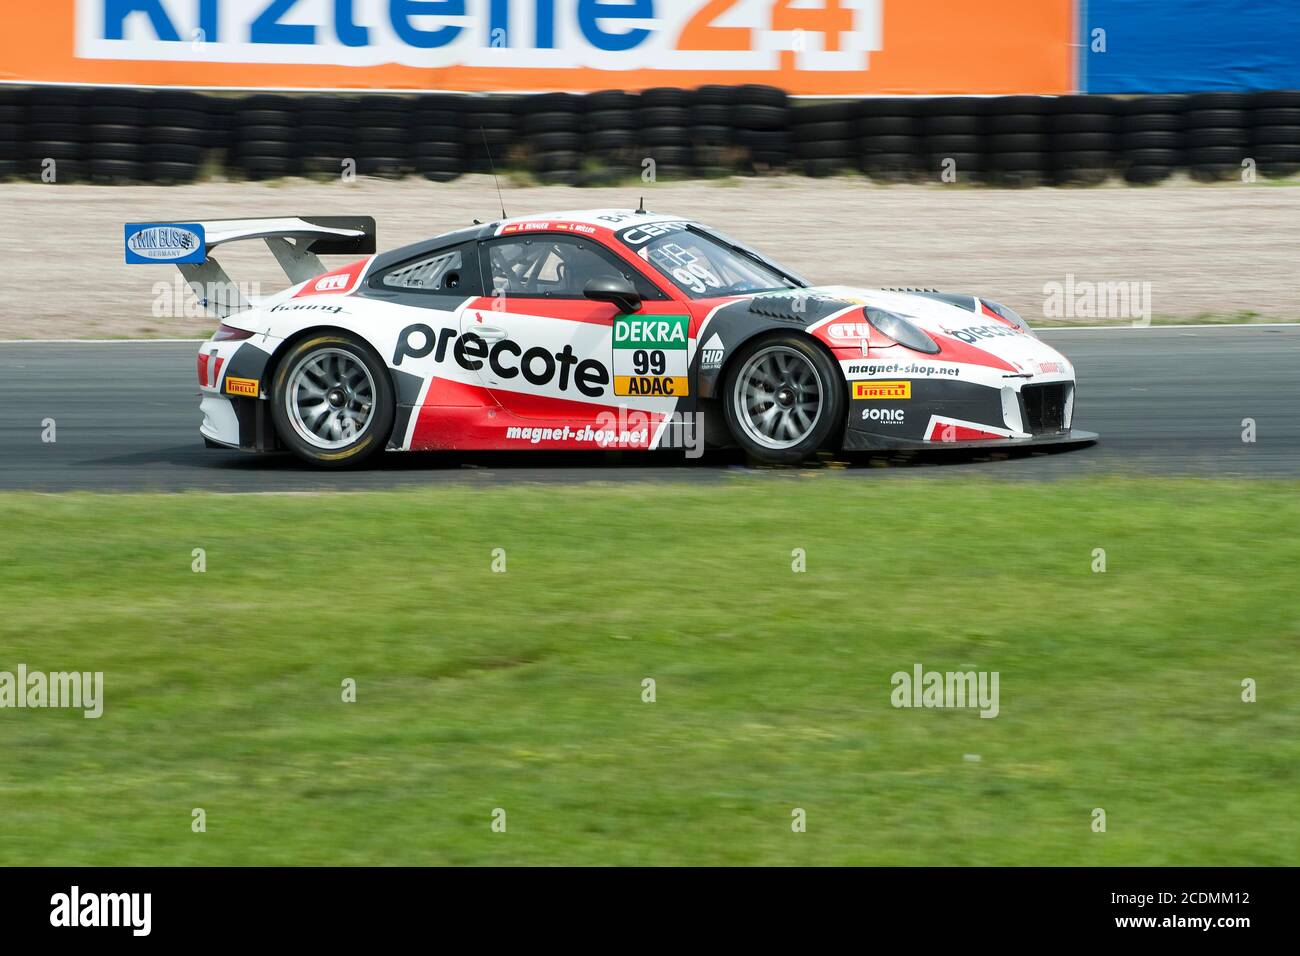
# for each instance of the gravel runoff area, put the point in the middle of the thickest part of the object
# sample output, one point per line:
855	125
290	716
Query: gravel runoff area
1226	250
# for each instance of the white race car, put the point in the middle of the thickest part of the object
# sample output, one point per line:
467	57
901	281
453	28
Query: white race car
615	329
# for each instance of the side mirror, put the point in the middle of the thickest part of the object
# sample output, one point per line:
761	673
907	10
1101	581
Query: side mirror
615	289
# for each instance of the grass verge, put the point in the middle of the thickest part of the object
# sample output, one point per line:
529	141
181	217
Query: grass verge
523	690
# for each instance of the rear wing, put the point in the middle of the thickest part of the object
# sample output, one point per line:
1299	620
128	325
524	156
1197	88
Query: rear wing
295	241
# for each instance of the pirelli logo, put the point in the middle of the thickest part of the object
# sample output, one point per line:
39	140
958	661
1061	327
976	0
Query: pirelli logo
241	386
885	390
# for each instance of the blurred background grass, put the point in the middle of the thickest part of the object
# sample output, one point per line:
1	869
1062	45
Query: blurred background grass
522	690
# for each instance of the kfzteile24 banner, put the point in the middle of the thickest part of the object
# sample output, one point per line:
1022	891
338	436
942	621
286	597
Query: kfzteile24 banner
811	47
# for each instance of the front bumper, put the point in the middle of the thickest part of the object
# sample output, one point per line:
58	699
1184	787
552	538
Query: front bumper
916	413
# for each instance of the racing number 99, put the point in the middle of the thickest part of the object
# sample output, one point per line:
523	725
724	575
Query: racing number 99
647	362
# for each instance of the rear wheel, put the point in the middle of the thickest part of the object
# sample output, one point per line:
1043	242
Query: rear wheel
784	398
332	400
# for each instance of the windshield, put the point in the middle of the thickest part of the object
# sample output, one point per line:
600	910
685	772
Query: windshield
701	265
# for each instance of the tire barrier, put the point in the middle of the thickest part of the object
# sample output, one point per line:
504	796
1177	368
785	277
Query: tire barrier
120	135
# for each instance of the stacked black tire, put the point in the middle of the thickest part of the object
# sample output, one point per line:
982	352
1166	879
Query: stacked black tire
13	132
494	119
552	126
610	122
953	127
1084	139
1275	132
1017	140
761	128
1151	138
383	137
117	124
712	138
113	135
824	137
325	135
56	135
664	119
264	137
1217	135
890	145
438	138
178	132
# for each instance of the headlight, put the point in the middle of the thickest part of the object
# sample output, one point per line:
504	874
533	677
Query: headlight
1010	315
900	330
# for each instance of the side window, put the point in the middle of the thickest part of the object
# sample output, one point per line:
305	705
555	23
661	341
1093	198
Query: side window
553	266
445	271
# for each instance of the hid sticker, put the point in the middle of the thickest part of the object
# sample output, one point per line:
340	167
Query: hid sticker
241	386
174	242
650	355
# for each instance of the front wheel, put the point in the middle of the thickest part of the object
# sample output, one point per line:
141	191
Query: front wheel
332	400
784	398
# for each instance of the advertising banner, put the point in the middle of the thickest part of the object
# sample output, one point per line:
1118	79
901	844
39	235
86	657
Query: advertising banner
811	47
1191	46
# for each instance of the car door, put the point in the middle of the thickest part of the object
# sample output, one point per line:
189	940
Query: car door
550	349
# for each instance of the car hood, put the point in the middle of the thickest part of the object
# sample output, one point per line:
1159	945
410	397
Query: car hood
966	328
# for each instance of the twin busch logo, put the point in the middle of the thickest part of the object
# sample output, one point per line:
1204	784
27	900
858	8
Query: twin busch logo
165	242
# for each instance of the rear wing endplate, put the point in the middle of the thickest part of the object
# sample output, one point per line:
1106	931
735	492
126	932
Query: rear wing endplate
295	241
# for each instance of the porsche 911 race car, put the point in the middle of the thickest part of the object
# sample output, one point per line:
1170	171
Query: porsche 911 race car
604	329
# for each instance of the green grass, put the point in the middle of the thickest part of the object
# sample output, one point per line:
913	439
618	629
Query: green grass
522	690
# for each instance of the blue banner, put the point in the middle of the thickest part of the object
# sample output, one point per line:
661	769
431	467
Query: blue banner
1187	46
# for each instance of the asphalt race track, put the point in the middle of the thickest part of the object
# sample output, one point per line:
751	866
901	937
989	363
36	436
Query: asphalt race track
1166	400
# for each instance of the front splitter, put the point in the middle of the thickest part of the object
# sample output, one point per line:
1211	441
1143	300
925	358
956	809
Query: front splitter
868	441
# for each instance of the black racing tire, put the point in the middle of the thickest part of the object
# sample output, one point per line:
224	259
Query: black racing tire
611	119
1018	143
1284	135
1152	139
1209	136
1152	123
962	125
1084	123
826	149
373	436
1083	142
758	116
1016	123
711	114
888	126
822	131
955	144
831	402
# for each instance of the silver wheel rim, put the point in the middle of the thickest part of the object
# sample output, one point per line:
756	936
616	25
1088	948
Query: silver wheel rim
778	397
330	398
